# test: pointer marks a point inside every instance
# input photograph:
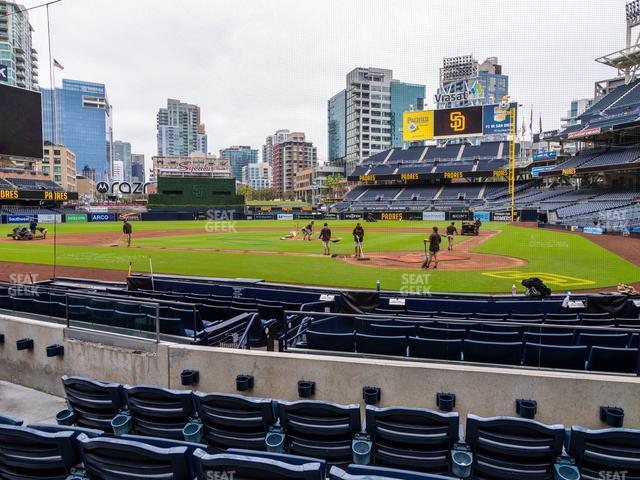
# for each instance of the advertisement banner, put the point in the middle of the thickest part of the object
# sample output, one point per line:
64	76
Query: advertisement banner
541	156
417	126
285	216
536	171
18	218
458	216
352	216
584	133
504	216
457	122
483	216
263	216
49	218
75	217
496	119
133	216
103	217
306	216
434	216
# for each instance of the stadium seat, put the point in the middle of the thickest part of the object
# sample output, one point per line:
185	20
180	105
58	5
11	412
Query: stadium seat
412	438
555	356
368	472
561	316
513	448
31	454
10	420
22	304
490	336
608	359
93	403
173	326
120	459
158	412
539	317
337	342
381	345
103	316
42	307
549	338
500	328
595	316
634	340
612	450
491	352
245	464
391	330
234	421
490	316
616	340
441	349
441	333
320	429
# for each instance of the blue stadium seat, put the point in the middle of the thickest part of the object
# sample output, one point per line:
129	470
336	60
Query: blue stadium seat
10	420
616	340
391	330
634	340
441	349
561	316
367	472
549	338
412	438
249	465
234	421
381	345
158	412
491	352
29	454
337	342
527	316
120	459
607	359
320	429
610	450
442	333
555	356
513	448
490	336
93	403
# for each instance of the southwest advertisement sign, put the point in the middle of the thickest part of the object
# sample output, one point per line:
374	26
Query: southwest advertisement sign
75	217
18	218
418	126
496	119
483	216
103	217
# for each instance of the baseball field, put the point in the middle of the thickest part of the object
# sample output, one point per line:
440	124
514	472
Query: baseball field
501	256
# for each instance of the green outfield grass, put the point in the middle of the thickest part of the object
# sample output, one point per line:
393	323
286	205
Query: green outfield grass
569	261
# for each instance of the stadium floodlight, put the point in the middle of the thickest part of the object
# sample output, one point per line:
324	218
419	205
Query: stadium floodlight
633	13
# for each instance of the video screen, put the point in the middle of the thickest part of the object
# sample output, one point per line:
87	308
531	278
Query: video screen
20	122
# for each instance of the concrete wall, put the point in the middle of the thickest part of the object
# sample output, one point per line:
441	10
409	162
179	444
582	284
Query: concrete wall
568	398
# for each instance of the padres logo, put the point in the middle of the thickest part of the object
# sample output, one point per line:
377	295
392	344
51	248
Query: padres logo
457	121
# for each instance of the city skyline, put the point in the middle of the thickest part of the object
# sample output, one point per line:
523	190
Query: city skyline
293	92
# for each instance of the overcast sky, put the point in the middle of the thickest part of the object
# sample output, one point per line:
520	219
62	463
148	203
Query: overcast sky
255	66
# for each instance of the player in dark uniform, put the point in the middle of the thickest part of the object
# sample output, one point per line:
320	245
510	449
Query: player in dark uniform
325	236
434	247
307	231
451	231
127	230
476	226
33	225
358	238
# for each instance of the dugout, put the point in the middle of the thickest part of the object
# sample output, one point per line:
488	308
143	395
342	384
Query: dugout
195	193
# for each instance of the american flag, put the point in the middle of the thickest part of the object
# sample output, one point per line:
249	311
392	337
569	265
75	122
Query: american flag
57	64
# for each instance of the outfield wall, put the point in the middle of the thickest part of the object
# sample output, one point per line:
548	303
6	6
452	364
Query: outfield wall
563	397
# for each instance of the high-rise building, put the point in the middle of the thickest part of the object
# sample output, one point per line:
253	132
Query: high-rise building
18	58
290	157
239	156
122	154
257	175
117	171
59	164
180	132
271	140
82	122
337	117
137	167
373	106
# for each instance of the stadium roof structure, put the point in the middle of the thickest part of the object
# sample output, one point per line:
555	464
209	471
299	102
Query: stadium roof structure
626	60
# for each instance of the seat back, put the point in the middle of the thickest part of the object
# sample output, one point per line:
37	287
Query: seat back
338	342
391	330
370	472
320	429
255	467
513	448
571	357
492	352
619	340
490	336
413	438
93	402
549	338
396	345
607	450
27	453
120	459
158	412
234	421
608	359
442	333
435	348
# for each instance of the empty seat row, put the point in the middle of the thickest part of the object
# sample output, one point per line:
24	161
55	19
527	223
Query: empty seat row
591	353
